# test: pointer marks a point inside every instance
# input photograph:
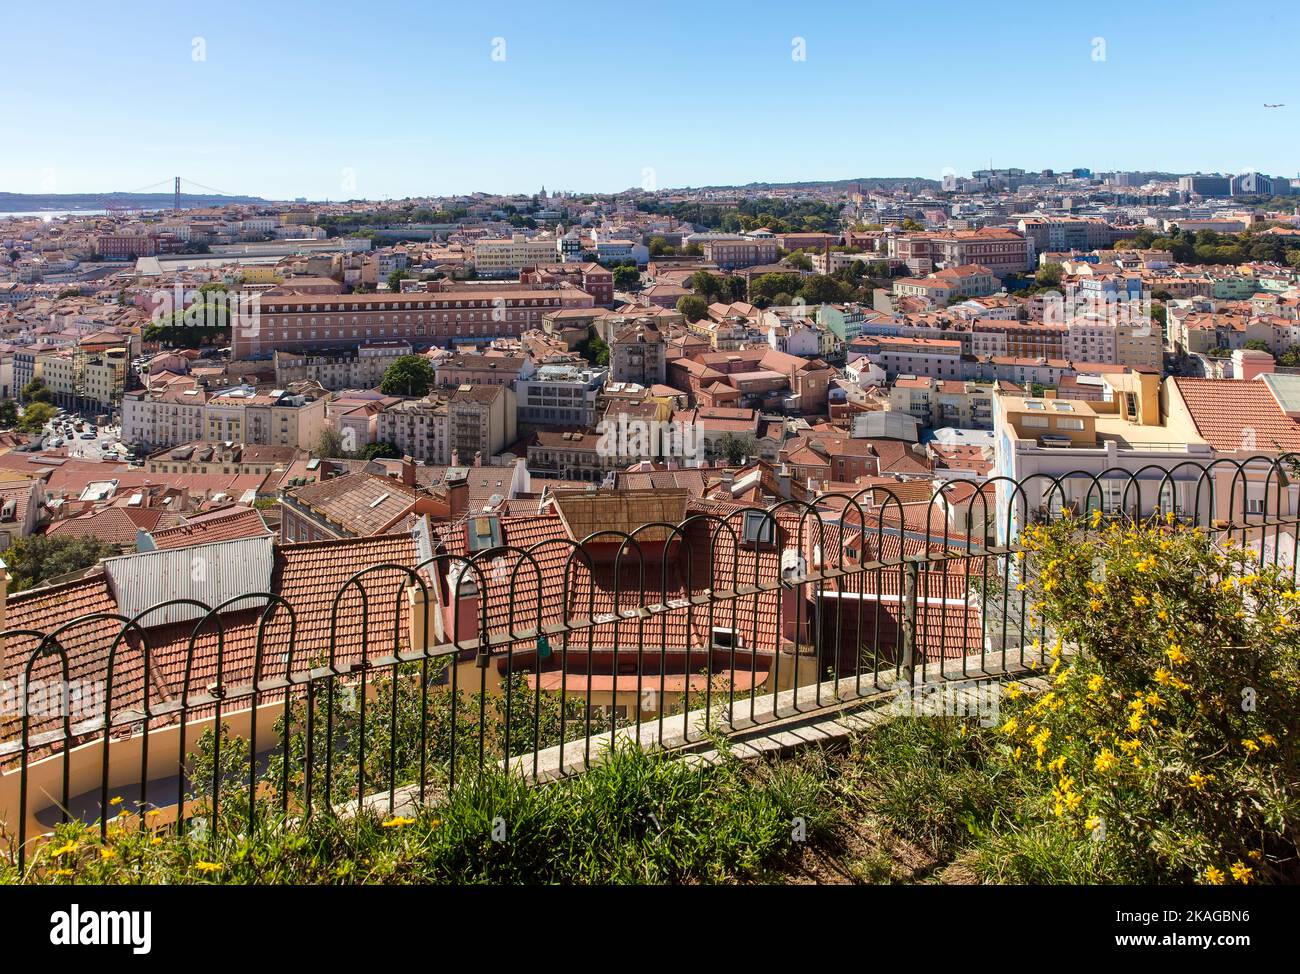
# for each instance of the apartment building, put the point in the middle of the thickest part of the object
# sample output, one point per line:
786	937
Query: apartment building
361	367
560	395
231	459
1127	432
275	417
419	428
469	368
300	323
572	455
732	254
591	277
1029	339
946	285
126	246
104	380
506	257
638	353
1002	251
481	420
935	402
939	358
182	413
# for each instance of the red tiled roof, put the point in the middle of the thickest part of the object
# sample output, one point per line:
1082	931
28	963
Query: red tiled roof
1223	409
116	525
224	525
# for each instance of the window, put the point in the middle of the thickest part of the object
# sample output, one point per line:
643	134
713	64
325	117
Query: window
759	528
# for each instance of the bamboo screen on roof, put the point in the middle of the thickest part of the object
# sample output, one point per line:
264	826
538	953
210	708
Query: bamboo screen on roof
587	512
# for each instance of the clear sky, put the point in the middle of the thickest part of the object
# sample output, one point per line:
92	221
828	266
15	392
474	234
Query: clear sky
332	100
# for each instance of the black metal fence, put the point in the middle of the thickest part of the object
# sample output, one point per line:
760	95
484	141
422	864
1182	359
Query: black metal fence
421	674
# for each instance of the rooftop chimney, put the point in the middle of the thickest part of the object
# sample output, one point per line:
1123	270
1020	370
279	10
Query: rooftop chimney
458	493
408	471
478	458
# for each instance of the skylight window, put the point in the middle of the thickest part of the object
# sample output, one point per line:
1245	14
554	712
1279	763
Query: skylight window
482	533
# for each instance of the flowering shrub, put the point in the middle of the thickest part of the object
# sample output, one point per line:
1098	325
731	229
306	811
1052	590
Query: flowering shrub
1168	731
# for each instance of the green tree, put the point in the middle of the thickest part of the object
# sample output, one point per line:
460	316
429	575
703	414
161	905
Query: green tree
36	391
329	444
36	416
34	559
8	414
799	260
693	307
396	278
734	449
596	351
821	289
708	286
383	450
409	375
1049	275
627	278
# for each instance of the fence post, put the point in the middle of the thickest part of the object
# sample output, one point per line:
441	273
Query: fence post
911	576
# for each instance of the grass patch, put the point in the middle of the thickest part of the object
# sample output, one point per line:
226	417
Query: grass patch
638	818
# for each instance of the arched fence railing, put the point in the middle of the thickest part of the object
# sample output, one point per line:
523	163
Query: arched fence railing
416	675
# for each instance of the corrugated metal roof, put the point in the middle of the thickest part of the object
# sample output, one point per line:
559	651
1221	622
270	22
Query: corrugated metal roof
209	573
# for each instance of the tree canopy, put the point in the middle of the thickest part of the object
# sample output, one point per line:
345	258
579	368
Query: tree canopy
409	375
40	557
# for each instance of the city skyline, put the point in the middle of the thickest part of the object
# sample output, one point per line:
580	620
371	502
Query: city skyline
447	100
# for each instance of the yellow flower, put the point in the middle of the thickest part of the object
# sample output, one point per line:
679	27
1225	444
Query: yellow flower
1162	615
1010	726
1095	520
60	872
1241	872
107	854
1162	675
1020	587
1250	746
1176	654
1091	824
1096	682
155	841
208	867
1214	876
1057	764
1105	760
115	801
1268	740
63	850
1198	781
397	821
1013	691
1095	605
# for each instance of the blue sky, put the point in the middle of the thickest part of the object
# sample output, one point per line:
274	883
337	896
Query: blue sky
405	98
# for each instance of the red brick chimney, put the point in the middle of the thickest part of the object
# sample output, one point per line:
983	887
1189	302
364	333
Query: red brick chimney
408	471
458	495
